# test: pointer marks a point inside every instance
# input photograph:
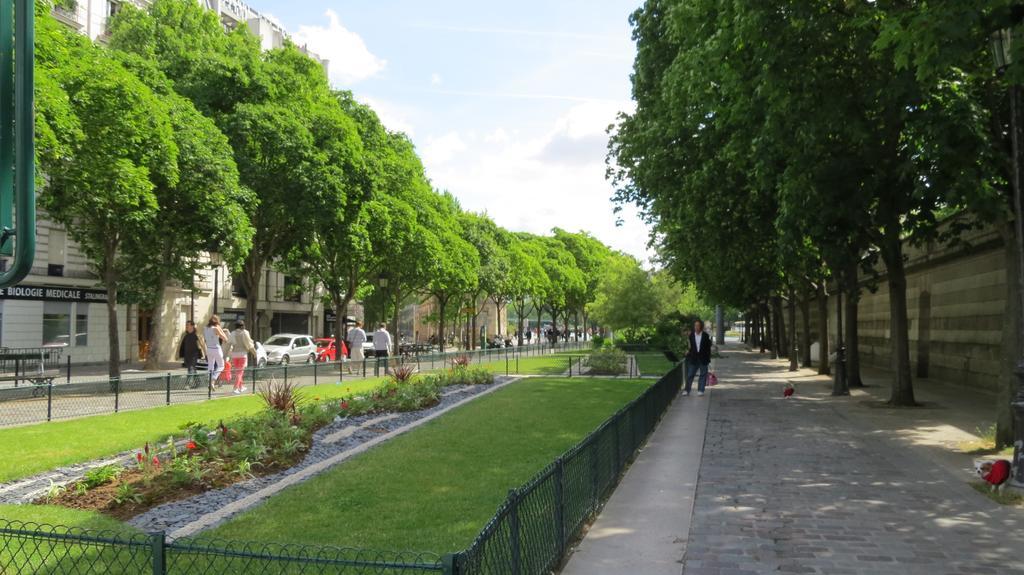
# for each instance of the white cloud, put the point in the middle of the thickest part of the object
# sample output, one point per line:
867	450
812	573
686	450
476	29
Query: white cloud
498	136
440	151
349	59
435	79
534	182
396	118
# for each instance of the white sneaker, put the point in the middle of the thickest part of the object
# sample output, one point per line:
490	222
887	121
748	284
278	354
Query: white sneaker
700	393
237	392
241	389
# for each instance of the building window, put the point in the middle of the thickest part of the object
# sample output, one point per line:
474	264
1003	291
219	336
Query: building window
56	252
113	8
292	289
238	286
82	325
56	323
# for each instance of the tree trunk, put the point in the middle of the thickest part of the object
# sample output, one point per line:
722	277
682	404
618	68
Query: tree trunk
1011	355
823	347
252	276
851	329
441	308
793	365
110	279
892	253
770	327
396	318
805	330
781	344
156	334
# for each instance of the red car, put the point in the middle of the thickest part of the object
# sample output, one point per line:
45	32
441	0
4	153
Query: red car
327	351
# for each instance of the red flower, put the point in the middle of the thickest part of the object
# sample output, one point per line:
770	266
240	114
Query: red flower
190	445
156	461
344	405
138	457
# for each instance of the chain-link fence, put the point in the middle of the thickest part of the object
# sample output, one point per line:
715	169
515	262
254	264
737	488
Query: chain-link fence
52	399
529	534
27	548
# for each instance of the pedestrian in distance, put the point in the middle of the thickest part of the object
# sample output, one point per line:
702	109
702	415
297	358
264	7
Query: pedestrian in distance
214	335
190	350
382	345
698	358
241	346
356	338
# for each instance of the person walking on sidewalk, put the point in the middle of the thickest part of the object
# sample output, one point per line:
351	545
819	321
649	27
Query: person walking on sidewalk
214	334
698	358
190	350
356	339
241	346
382	345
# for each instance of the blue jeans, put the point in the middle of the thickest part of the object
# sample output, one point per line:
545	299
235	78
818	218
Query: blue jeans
691	370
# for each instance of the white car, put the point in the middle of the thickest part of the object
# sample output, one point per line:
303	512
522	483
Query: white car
285	348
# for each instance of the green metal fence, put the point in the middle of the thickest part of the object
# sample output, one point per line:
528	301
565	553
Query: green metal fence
529	534
536	524
63	397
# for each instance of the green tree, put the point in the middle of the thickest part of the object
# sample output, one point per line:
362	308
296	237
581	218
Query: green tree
104	189
625	296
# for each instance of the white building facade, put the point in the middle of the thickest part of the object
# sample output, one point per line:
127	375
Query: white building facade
61	302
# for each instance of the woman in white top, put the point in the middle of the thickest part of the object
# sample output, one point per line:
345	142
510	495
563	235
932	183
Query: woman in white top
214	334
241	347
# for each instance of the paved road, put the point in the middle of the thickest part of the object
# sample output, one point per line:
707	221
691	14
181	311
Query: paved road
808	486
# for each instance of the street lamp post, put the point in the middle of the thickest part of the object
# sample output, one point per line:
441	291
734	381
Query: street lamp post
382	281
1002	43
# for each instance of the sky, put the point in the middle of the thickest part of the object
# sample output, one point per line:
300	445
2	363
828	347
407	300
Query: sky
507	103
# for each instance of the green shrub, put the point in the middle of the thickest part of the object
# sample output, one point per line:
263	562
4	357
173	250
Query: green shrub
463	375
608	361
598	341
100	476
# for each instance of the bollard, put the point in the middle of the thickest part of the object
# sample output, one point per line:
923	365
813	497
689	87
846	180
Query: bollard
117	394
69	369
168	389
316	364
49	401
286	374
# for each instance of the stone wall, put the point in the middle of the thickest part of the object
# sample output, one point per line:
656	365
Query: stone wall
956	299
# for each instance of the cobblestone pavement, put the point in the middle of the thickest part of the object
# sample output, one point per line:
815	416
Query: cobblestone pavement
808	486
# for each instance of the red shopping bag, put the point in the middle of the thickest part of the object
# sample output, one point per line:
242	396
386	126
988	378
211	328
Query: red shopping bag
712	379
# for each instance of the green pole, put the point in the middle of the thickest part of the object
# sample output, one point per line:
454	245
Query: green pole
22	173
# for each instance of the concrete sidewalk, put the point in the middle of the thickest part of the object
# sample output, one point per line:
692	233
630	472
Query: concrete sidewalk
645	524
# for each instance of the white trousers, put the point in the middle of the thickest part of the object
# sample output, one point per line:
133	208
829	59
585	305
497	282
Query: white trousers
214	363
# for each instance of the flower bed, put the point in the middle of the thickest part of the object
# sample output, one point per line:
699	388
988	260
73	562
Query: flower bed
213	457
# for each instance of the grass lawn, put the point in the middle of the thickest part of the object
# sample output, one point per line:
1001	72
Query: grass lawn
61	516
555	364
434	488
653	363
36	448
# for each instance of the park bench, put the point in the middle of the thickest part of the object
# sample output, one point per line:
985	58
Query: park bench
39	377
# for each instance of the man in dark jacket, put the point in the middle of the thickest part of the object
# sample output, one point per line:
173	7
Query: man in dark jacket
698	358
191	347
